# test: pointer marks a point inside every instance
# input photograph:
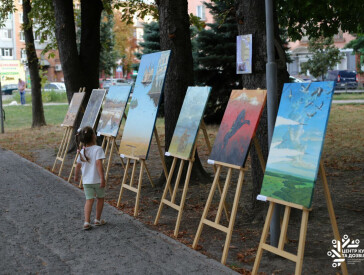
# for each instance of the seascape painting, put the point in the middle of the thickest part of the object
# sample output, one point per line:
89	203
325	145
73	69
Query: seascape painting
238	126
188	122
73	109
113	110
93	108
143	108
297	142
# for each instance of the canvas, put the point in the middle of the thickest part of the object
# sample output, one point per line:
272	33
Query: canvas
297	142
113	110
93	108
143	108
73	109
238	126
244	54
188	122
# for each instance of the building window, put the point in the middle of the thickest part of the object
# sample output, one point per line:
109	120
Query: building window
7	34
22	37
6	52
21	18
201	12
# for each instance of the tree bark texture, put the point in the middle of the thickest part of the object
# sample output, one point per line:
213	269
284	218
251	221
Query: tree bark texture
80	69
251	20
38	118
174	28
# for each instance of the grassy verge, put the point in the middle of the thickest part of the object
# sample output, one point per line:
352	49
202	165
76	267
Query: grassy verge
20	117
348	96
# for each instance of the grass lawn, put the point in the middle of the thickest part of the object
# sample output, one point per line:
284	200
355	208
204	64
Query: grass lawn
18	117
348	96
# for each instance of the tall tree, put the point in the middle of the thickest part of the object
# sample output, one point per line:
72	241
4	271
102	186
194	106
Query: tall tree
38	118
324	56
108	55
174	28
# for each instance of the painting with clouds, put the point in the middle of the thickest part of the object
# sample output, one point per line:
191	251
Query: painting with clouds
189	121
238	126
297	142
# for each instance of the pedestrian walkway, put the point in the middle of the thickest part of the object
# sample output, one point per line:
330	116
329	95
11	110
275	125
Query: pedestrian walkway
40	230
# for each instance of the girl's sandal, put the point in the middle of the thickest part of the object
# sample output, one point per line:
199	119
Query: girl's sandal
99	223
87	226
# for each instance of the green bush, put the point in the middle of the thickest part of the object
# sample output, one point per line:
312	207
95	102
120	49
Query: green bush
47	97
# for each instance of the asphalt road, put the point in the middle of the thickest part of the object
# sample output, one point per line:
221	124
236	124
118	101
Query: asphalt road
40	231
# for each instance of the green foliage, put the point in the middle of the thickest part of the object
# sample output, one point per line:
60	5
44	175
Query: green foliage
214	52
324	56
7	7
108	55
47	97
358	47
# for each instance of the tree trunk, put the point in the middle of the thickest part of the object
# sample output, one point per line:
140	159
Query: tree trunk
38	119
67	47
251	20
174	28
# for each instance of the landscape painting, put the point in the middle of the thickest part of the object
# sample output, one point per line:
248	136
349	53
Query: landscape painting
238	126
93	108
297	142
188	122
73	109
143	107
113	110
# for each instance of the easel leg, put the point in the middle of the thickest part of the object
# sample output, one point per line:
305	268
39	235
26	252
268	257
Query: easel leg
183	199
123	182
166	188
73	166
148	174
302	241
59	153
139	187
232	218
160	152
331	211
284	227
65	150
207	207
109	160
263	238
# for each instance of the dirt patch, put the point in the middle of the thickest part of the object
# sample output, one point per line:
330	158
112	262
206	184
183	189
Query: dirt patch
343	159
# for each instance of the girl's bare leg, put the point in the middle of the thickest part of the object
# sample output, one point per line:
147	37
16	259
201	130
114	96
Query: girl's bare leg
99	207
88	209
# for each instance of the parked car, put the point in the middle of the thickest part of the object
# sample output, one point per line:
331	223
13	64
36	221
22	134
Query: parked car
293	79
106	83
343	78
9	88
55	86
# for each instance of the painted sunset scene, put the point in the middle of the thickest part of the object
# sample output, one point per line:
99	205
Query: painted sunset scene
238	126
73	109
188	122
297	142
113	110
93	108
143	108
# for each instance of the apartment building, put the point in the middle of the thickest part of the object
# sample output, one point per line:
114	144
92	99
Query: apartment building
13	60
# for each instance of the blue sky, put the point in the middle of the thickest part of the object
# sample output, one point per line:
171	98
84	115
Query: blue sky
300	128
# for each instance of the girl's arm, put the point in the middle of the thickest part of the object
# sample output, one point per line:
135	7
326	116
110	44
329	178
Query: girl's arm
77	171
100	170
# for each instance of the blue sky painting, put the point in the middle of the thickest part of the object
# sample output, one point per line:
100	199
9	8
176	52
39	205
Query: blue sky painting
297	142
143	107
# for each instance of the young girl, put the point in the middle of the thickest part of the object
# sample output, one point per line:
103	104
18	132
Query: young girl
90	162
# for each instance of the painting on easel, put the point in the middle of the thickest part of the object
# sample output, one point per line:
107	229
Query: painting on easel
297	142
188	123
143	108
93	108
113	110
73	109
238	126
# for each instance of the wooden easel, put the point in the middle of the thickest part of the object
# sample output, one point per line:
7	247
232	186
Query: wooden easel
216	224
167	187
143	165
298	259
65	143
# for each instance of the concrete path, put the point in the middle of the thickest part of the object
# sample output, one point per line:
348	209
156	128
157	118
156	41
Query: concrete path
40	231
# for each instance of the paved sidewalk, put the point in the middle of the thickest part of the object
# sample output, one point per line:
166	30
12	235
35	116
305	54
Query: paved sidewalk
40	231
